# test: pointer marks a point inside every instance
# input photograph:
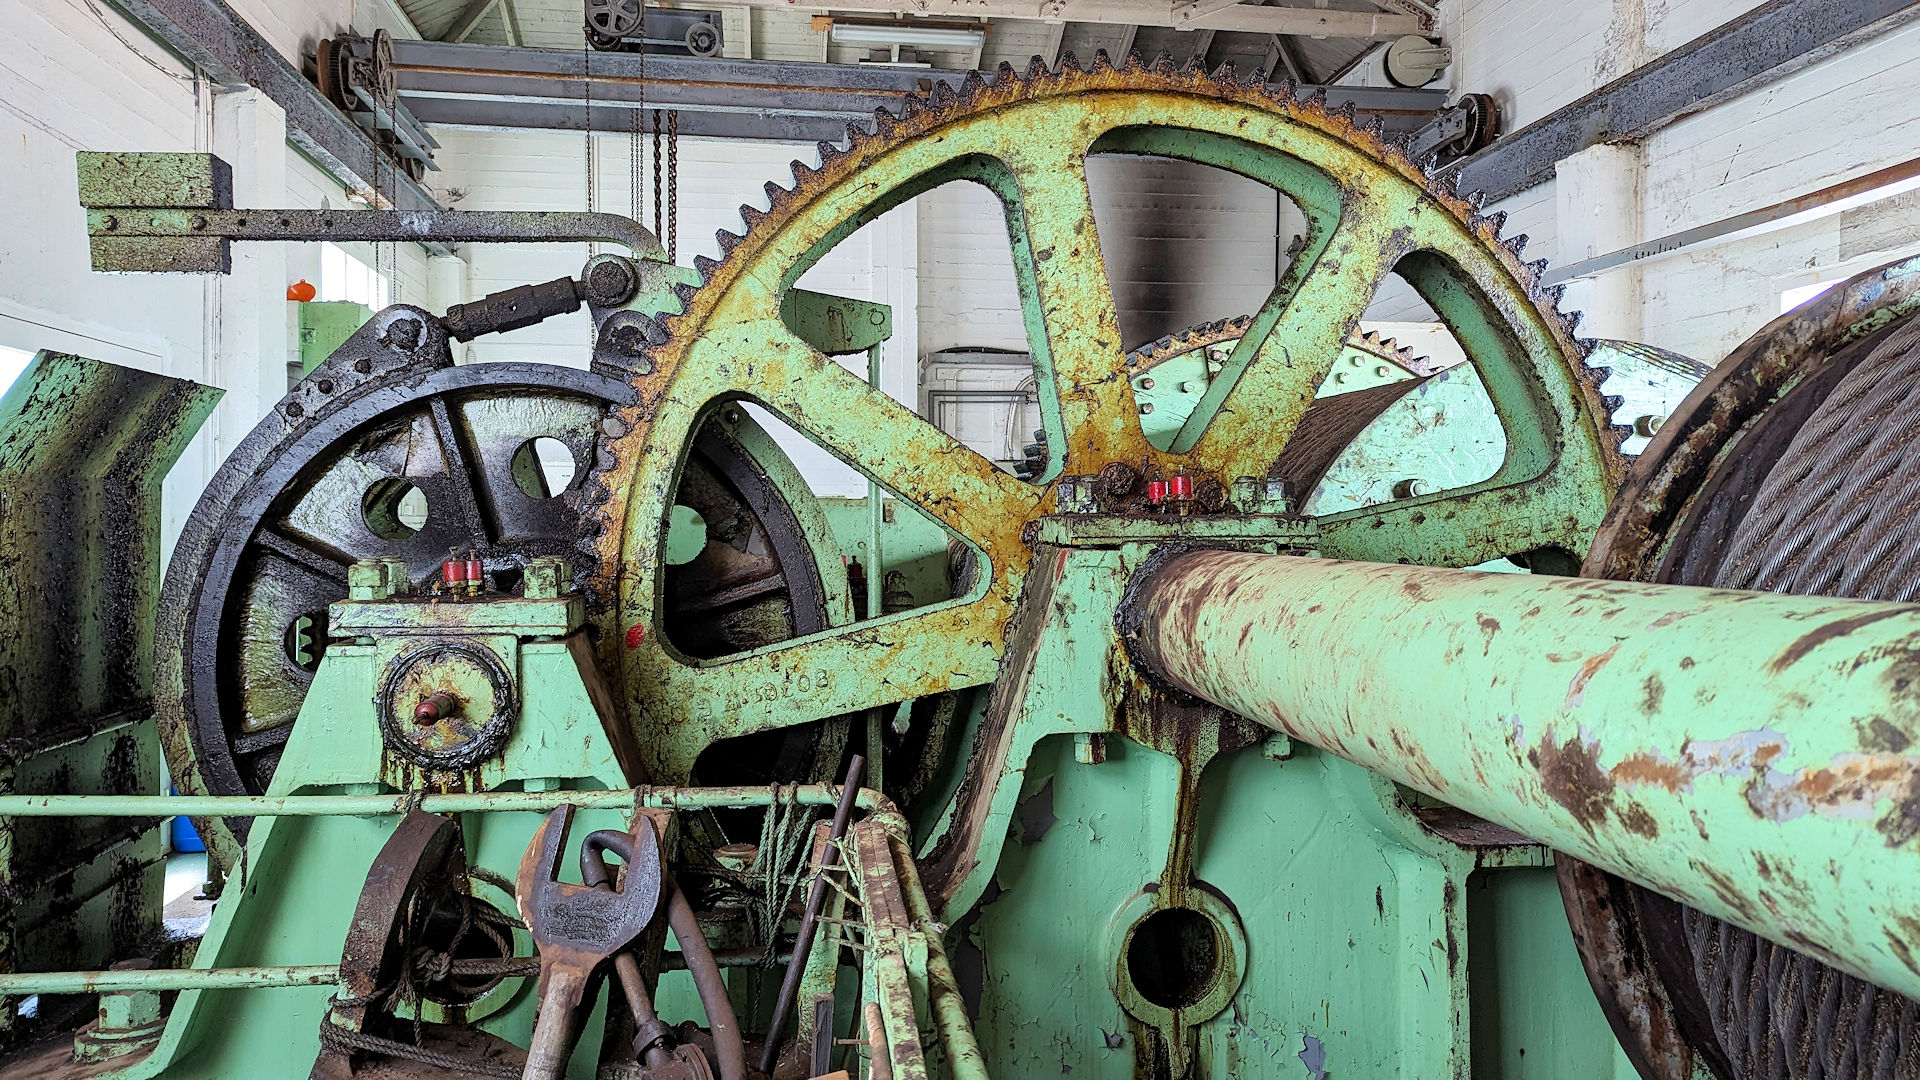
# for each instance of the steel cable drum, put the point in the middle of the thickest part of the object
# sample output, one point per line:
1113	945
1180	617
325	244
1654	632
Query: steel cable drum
1794	467
389	449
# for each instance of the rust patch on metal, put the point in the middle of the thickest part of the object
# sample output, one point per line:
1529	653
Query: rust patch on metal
1850	785
1880	735
1577	689
1571	775
1656	693
1749	752
1646	769
1828	632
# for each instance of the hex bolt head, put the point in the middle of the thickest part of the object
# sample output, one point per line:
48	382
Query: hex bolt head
611	281
1117	479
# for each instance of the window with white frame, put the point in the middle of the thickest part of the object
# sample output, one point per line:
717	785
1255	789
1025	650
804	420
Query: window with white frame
12	363
345	277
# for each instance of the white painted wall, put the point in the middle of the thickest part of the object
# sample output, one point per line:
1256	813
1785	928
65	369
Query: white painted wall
77	76
1844	117
547	171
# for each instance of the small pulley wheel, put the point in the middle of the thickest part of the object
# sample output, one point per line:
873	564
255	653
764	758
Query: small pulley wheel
703	39
614	18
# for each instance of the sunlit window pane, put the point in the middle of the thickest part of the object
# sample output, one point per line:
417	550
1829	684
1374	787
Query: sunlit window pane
12	363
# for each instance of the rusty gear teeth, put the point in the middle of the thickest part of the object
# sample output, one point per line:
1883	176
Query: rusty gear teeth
917	114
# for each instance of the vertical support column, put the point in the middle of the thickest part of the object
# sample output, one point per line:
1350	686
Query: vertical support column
253	345
447	285
1597	205
895	252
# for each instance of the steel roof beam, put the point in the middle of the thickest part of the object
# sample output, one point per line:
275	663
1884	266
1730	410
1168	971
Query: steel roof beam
486	86
1181	14
1763	46
213	37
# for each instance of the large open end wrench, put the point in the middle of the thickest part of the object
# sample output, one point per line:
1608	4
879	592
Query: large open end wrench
576	927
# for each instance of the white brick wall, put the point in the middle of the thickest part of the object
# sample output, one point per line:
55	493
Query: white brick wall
67	85
546	171
1841	118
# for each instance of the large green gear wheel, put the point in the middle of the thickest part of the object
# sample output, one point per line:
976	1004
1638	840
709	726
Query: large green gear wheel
1370	211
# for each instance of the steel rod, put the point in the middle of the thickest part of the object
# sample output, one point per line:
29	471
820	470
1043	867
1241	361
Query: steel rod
949	1006
1751	754
440	226
22	983
810	918
458	803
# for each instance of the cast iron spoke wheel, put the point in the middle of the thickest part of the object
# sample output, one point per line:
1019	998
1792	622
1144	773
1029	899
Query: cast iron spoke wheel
1371	211
1791	468
390	450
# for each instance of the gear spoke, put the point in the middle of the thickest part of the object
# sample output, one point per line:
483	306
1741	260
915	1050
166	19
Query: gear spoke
1068	301
868	428
468	478
1433	531
1251	411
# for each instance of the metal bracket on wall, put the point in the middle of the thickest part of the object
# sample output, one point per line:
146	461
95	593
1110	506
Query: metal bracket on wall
173	213
1757	49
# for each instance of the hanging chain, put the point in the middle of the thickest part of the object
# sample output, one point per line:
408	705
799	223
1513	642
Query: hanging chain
383	253
634	122
632	162
657	204
673	186
586	66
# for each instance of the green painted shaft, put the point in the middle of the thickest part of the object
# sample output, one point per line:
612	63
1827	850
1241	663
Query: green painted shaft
876	587
19	984
964	1061
459	803
1749	753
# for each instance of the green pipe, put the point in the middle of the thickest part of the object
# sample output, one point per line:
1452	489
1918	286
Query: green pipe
1749	753
157	980
964	1060
876	590
691	798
